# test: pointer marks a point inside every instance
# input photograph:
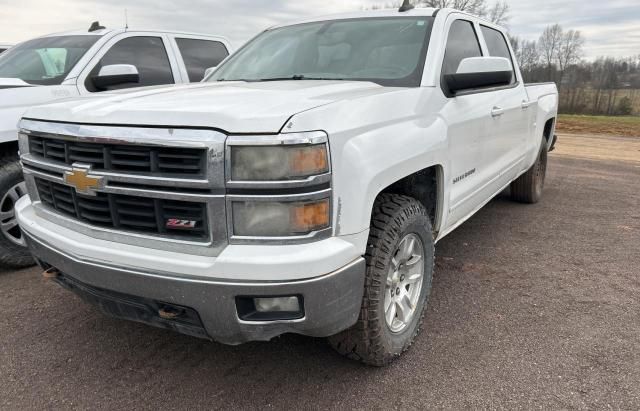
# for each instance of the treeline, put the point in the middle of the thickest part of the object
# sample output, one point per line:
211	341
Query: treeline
605	86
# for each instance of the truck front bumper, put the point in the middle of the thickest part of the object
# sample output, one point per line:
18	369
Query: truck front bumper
198	306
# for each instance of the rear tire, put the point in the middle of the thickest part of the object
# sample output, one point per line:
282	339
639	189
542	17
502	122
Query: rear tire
13	250
400	256
528	187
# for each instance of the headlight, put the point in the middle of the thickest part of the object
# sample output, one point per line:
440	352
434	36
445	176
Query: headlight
279	219
285	158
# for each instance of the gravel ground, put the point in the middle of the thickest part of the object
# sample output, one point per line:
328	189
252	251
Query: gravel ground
532	307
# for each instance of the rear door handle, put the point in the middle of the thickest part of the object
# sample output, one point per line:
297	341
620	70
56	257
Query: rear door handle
525	104
497	111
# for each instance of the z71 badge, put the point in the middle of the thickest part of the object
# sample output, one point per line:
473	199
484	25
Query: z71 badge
176	223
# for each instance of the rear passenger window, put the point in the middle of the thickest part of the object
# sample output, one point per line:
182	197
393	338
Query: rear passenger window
461	44
147	54
199	55
497	45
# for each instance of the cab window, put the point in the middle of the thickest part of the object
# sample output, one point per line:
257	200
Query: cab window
497	46
147	54
199	55
462	43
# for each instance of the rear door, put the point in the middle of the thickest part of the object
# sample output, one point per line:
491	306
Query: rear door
196	55
509	117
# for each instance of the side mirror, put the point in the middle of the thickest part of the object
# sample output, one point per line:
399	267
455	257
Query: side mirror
208	71
480	72
116	74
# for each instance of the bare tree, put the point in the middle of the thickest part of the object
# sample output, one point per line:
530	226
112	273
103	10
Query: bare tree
478	7
569	51
497	13
526	53
549	45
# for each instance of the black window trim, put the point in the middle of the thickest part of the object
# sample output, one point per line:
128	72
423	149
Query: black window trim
443	85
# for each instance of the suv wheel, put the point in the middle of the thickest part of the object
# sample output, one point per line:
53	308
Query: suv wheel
400	256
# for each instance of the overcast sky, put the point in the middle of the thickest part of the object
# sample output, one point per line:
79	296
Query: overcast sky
611	27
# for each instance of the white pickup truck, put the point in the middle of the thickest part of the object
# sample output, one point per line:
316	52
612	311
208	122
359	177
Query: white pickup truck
61	66
300	189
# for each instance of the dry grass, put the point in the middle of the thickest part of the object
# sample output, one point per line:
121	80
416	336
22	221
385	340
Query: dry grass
615	126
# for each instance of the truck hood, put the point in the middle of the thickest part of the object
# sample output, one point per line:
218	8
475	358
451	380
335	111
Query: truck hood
234	107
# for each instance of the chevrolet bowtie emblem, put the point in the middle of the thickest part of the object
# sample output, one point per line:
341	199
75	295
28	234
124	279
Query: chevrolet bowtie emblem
84	183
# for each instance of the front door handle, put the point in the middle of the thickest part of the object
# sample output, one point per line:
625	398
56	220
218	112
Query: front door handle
497	111
525	104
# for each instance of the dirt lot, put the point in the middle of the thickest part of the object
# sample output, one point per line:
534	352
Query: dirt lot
532	306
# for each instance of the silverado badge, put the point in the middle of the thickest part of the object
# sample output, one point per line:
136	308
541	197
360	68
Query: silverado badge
84	183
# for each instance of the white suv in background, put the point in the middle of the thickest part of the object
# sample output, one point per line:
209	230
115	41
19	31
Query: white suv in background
84	63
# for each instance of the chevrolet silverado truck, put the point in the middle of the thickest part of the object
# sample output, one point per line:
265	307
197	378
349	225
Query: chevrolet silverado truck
300	189
61	66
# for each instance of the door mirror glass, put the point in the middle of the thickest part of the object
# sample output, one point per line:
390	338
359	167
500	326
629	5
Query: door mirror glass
480	72
210	70
116	74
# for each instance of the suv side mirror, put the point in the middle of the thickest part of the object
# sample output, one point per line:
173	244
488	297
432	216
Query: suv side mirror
480	72
116	74
208	71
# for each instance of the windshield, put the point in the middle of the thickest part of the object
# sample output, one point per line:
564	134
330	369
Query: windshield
388	51
45	61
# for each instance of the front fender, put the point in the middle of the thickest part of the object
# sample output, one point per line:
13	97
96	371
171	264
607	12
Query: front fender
375	142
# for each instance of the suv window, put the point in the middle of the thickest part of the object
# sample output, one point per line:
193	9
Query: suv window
497	45
461	44
199	55
147	54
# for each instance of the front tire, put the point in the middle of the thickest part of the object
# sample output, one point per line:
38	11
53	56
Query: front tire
13	250
400	256
528	187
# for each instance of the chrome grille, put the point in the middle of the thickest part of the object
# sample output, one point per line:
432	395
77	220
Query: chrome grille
148	176
123	212
174	161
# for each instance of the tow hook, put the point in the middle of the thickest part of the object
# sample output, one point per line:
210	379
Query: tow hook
51	273
169	313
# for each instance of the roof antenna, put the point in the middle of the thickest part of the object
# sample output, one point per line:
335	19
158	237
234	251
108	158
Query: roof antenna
126	20
406	6
95	26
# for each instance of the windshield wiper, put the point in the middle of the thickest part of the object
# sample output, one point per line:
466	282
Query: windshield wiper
300	77
295	77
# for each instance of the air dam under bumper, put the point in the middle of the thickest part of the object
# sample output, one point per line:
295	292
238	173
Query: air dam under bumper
331	302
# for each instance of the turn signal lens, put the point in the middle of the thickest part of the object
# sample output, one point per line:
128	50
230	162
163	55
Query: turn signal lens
307	161
310	217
